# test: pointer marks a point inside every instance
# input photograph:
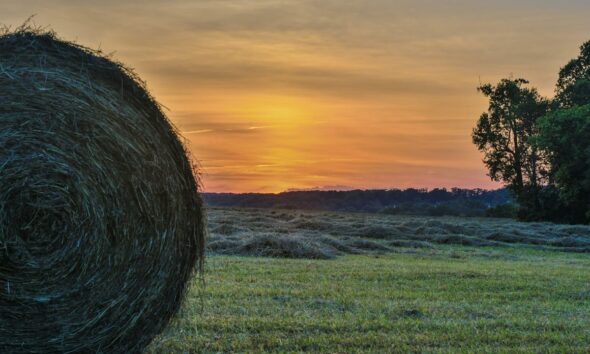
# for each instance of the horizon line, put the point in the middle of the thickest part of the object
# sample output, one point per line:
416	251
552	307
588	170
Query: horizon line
292	190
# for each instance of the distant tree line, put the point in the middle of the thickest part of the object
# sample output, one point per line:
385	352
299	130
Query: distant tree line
435	202
540	147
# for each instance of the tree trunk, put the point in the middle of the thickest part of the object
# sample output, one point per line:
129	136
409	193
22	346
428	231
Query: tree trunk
519	181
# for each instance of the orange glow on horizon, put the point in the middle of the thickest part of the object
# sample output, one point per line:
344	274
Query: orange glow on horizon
273	95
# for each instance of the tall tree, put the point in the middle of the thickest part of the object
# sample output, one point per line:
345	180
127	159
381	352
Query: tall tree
505	135
565	135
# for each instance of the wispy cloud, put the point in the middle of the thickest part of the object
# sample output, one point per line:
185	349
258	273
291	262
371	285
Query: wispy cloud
197	131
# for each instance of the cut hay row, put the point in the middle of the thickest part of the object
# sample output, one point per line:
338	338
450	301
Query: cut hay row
101	225
325	235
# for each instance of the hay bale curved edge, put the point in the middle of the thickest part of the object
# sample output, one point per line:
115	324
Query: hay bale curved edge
101	224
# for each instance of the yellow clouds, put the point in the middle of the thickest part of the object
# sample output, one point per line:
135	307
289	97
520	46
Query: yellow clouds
276	94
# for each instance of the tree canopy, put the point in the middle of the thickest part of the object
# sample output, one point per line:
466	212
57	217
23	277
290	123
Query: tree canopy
573	84
540	148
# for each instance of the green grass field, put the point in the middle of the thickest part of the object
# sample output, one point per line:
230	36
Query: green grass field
447	298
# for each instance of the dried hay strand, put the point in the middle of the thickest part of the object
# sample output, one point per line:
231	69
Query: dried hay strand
101	223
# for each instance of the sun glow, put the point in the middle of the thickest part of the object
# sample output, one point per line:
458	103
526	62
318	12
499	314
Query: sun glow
275	112
285	122
273	95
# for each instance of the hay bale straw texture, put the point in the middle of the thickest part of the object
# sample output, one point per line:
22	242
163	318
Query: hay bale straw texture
101	223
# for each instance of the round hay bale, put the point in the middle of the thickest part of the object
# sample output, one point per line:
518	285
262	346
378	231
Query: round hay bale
101	223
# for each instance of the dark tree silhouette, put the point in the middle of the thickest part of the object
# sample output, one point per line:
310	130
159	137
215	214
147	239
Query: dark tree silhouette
505	135
564	134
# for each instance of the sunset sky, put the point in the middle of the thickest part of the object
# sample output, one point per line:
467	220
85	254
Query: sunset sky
273	95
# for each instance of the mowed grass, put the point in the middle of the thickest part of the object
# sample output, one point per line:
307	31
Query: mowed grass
449	299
